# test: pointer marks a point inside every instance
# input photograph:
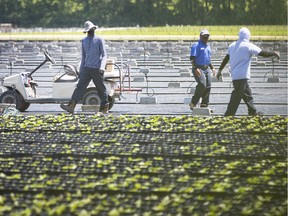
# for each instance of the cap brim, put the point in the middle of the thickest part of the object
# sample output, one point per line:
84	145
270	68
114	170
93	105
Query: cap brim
86	30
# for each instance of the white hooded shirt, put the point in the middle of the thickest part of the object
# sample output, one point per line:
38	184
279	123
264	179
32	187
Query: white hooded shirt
240	53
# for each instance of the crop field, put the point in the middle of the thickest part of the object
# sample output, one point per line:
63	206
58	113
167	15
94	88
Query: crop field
146	165
264	32
142	165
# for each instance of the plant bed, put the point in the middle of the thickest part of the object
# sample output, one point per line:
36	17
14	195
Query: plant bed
135	165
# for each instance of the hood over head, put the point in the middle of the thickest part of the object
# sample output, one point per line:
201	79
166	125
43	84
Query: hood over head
244	34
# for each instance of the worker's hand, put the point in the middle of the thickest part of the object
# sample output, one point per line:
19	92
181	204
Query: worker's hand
101	71
219	74
198	72
213	72
277	55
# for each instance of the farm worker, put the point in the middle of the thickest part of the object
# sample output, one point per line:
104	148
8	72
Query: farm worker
202	69
92	68
239	54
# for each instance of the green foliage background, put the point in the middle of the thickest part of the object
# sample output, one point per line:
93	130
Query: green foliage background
111	13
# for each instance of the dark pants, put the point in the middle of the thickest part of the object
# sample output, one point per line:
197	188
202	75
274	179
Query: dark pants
203	86
243	91
86	76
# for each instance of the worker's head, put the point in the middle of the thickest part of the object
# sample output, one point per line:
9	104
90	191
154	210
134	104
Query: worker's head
244	34
204	35
89	27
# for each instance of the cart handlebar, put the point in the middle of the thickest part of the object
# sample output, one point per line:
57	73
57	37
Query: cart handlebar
47	58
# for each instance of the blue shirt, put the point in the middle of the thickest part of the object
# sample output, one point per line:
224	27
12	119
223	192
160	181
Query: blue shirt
93	53
202	53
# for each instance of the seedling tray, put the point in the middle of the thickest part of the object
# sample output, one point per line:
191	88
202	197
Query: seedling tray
135	165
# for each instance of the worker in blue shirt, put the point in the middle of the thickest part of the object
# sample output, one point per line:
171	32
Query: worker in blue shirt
202	69
92	68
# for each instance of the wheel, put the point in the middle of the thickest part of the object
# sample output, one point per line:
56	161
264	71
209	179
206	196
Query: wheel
49	58
91	97
22	104
13	97
25	105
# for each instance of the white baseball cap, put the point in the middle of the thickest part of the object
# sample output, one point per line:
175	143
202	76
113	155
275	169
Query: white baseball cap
204	32
88	25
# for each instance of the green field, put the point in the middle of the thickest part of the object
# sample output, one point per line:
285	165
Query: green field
266	32
142	166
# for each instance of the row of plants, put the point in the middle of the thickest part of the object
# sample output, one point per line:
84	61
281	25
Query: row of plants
144	183
142	145
104	204
142	165
185	123
12	168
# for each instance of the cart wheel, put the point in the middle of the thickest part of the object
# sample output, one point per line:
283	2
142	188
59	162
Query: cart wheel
21	104
13	97
24	106
91	97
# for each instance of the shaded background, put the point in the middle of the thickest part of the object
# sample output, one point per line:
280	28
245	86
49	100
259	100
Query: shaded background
112	13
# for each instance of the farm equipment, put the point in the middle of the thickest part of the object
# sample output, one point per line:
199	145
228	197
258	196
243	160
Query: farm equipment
21	89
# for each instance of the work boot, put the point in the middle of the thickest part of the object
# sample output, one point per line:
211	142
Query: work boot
104	109
192	106
70	107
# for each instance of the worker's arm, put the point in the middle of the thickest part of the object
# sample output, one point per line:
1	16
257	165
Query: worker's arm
223	64
264	53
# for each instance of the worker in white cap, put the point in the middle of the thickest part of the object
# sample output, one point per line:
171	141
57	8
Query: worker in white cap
202	69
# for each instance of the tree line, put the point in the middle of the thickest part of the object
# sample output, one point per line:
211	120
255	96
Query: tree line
113	13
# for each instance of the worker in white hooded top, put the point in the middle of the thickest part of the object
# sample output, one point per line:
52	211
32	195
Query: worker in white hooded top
239	55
